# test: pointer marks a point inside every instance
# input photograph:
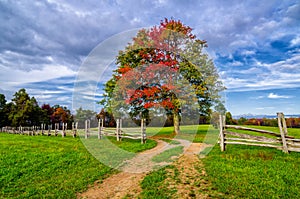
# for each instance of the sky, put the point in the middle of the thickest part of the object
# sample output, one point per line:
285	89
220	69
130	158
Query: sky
46	46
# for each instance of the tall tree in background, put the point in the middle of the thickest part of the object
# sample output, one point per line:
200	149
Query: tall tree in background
3	111
24	110
163	55
47	112
82	115
108	118
61	115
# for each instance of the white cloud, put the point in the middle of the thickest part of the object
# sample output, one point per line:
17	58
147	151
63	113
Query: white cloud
38	46
264	108
248	52
16	77
237	63
295	41
275	96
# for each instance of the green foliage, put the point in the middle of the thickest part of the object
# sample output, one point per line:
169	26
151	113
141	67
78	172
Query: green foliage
4	110
173	46
24	110
82	115
241	121
229	119
61	114
254	172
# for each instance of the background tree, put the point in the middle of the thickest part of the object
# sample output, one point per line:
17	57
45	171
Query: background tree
170	45
61	115
82	115
25	111
229	119
242	121
3	112
47	112
108	118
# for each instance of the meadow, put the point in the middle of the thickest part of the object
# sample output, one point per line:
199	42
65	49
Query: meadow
51	167
55	167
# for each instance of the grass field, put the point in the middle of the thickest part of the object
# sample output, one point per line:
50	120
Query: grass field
195	133
254	172
55	167
291	131
51	167
242	172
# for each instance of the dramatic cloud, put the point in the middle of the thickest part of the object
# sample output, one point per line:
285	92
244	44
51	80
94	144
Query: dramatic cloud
254	44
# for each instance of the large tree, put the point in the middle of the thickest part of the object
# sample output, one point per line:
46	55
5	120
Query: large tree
46	114
3	111
25	111
61	115
82	115
152	69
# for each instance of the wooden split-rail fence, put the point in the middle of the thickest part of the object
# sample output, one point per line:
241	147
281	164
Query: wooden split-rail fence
120	132
42	130
262	138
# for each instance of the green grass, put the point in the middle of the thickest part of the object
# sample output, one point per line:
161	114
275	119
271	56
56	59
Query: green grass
170	141
55	167
133	146
254	172
51	167
167	155
291	131
194	133
153	185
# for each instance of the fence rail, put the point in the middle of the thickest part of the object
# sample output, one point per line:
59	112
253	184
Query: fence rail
265	138
42	130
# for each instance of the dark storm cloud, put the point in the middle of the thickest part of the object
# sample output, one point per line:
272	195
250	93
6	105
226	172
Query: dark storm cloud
43	43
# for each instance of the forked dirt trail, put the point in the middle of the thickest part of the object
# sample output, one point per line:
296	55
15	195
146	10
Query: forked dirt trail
127	182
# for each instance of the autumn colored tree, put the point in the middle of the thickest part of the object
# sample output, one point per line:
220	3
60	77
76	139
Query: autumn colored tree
108	118
47	112
164	66
61	115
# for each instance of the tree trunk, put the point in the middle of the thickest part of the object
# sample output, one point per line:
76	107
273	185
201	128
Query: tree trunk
176	123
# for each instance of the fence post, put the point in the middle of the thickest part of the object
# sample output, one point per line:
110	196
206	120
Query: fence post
21	130
87	128
43	128
284	125
282	132
64	128
222	136
49	129
100	127
143	131
56	127
118	130
74	128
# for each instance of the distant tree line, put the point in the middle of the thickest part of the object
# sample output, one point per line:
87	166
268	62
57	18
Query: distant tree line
24	110
290	122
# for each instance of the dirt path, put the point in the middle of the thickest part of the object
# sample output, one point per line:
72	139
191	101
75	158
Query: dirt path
127	182
188	176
